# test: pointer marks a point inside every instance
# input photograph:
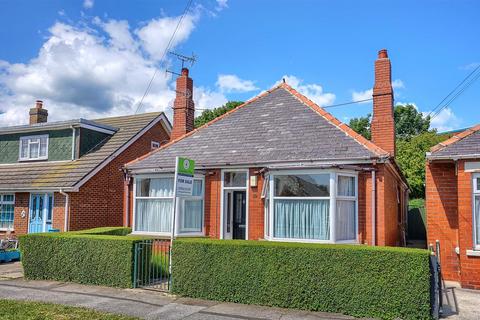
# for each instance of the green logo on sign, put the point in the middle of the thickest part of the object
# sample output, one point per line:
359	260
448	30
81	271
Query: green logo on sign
186	166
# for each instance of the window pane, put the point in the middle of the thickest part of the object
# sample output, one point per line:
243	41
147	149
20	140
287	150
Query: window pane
23	148
302	185
477	220
197	188
346	186
302	219
153	215
6	216
235	179
43	146
477	180
192	216
345	220
156	187
8	198
34	149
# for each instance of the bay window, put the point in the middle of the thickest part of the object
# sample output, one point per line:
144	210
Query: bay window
154	205
311	205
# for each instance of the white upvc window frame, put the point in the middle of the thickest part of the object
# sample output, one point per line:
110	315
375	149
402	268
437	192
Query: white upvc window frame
475	192
2	202
332	198
29	142
348	198
222	198
177	209
154	145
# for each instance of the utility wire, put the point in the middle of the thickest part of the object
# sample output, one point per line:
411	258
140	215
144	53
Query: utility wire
167	48
459	92
435	112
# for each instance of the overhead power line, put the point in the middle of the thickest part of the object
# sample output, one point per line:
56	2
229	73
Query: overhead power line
456	92
167	48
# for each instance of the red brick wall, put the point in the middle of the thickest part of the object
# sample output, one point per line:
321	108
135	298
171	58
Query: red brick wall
22	203
183	106
256	213
442	218
469	265
213	194
100	201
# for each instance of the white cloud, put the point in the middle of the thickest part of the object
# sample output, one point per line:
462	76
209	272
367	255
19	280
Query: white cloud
208	99
367	94
88	4
221	4
99	69
312	91
470	66
446	120
398	84
362	95
232	83
154	36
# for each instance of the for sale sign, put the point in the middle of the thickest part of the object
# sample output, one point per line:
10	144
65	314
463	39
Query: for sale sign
184	171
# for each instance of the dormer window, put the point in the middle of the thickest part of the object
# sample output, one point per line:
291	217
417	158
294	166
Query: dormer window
34	148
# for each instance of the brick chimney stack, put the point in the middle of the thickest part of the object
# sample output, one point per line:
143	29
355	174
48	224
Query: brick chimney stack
183	107
38	114
383	124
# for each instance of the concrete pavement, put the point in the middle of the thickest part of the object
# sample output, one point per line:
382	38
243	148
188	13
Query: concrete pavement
140	303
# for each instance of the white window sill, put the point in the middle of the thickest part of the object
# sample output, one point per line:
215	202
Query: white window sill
473	253
6	229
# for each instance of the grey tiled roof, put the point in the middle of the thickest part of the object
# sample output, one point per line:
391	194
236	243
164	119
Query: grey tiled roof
458	146
65	174
276	127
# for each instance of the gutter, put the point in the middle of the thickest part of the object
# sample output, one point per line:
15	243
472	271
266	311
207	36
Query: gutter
429	157
67	209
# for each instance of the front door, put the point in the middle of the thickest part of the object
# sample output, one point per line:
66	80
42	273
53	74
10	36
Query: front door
40	217
239	215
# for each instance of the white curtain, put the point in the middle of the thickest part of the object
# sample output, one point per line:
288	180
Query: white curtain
43	146
161	187
302	219
191	217
153	215
477	220
346	186
345	220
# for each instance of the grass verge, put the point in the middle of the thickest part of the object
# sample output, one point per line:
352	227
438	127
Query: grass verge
29	310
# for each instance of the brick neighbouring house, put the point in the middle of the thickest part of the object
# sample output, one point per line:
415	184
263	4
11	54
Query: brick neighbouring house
67	175
453	205
278	167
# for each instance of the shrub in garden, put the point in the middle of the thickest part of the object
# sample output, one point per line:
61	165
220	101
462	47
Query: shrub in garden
102	256
357	280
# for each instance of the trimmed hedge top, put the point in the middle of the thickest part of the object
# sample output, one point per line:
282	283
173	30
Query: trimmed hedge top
101	256
358	280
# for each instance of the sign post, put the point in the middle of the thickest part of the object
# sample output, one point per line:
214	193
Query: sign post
182	187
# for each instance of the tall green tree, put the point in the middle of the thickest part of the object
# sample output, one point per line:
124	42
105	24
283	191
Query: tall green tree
410	157
408	122
210	114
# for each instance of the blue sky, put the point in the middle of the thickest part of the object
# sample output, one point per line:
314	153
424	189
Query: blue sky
92	58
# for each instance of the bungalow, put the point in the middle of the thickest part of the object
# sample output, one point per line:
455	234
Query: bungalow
279	168
453	205
67	175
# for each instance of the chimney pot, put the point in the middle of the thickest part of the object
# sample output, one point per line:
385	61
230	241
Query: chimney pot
382	54
185	72
38	114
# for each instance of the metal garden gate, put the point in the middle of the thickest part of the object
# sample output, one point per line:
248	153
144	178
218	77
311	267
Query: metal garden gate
436	292
151	265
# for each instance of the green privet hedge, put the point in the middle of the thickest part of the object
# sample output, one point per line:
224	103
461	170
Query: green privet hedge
362	281
102	256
